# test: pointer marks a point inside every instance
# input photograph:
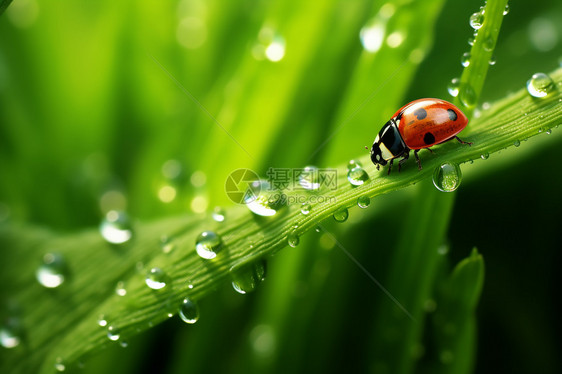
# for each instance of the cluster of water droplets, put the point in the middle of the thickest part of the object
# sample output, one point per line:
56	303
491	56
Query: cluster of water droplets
464	91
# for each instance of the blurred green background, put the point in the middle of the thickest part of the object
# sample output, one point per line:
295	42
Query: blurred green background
91	119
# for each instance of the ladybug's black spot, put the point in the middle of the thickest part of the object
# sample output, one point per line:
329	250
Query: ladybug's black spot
421	113
428	138
452	114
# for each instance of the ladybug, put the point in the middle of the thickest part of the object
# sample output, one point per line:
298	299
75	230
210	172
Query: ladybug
418	125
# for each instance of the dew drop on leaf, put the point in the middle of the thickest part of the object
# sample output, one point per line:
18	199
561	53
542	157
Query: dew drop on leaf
363	201
476	20
293	239
341	215
247	278
540	85
208	244
116	227
155	279
447	177
357	176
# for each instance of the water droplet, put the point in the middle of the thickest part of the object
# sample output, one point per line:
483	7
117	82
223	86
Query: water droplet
120	289
51	273
506	10
123	344
447	177
59	364
10	333
352	164
341	214
166	244
113	333
548	132
102	321
472	39
208	244
453	87
484	156
465	59
247	278
443	249
263	199
305	208
116	227
492	60
357	176
189	311
310	178
489	43
467	96
517	143
476	20
363	201
540	85
293	239
155	279
219	214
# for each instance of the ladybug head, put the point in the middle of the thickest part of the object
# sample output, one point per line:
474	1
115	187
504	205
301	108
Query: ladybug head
387	145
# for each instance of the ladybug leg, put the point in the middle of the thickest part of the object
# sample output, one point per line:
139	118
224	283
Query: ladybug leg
430	150
390	166
418	159
406	155
462	141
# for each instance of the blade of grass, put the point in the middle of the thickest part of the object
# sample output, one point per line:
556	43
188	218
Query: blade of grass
454	321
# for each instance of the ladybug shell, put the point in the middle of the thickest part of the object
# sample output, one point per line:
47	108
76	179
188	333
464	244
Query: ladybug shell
423	123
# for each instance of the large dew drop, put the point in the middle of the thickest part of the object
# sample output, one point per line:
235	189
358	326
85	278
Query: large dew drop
248	277
540	85
116	227
447	177
189	311
155	279
357	176
263	199
208	244
476	20
51	273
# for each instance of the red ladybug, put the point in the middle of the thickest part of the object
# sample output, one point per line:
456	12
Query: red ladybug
417	125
